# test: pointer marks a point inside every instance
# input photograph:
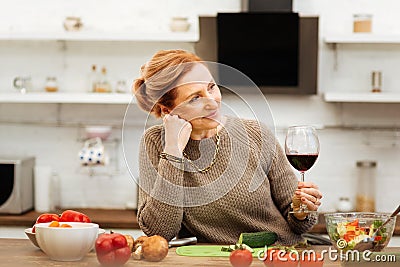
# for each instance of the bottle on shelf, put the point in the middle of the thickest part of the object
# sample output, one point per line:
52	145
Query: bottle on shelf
103	85
93	78
376	81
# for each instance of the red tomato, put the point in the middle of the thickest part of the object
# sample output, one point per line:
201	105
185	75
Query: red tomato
280	258
318	261
112	249
47	217
44	218
74	216
241	258
354	223
349	236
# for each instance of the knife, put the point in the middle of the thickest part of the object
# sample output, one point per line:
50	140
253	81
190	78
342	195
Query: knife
182	241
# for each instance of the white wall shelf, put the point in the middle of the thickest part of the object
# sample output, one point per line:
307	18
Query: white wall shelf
359	38
355	97
190	36
67	98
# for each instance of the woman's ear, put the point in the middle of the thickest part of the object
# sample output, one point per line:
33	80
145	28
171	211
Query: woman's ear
164	110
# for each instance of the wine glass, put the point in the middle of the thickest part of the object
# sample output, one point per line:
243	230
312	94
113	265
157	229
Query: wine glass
302	149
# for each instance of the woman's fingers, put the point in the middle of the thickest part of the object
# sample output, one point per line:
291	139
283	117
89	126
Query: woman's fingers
311	198
311	191
177	133
307	185
310	205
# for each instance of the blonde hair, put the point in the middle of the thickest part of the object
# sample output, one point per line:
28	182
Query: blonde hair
156	86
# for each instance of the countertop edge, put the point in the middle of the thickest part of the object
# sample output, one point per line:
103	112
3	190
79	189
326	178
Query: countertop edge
123	219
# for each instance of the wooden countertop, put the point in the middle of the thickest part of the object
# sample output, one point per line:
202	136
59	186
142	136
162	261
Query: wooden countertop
124	219
20	252
106	218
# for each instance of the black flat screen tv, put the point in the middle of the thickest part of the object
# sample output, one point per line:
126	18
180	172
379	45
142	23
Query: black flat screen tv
277	51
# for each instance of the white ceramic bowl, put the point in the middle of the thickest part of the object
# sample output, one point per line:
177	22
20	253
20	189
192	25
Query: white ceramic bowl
32	236
179	24
102	132
66	244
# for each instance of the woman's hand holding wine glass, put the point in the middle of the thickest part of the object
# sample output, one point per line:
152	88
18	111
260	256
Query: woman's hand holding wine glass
302	149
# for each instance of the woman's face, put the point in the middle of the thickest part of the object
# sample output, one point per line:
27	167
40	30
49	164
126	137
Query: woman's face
198	99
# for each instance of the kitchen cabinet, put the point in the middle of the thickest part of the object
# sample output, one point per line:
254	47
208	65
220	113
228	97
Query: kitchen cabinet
366	39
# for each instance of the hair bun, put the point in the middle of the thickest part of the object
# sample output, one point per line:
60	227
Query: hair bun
143	100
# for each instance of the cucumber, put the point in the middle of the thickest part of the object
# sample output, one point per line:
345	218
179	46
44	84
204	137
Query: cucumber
258	239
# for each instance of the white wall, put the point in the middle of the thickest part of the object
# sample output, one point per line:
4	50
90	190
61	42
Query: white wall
52	132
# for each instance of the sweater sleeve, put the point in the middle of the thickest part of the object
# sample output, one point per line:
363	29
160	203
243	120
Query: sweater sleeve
160	207
283	184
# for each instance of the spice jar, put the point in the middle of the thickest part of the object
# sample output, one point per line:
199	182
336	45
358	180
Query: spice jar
362	23
344	205
365	200
51	84
121	87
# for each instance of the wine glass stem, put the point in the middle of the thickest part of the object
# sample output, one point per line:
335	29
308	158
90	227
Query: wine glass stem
303	207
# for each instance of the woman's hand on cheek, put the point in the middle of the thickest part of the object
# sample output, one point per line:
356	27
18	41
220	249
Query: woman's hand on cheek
177	134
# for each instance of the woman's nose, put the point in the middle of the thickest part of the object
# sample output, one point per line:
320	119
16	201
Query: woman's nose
211	102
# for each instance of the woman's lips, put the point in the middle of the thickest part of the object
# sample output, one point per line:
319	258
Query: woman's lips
212	115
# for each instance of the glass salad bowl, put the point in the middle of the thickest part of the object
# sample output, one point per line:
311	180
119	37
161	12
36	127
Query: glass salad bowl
346	230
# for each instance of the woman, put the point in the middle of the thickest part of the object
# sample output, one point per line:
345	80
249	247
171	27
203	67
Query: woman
205	175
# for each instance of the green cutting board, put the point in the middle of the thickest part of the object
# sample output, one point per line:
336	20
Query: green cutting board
207	251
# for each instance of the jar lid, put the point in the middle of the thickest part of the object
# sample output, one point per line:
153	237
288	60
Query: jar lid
366	163
362	16
73	18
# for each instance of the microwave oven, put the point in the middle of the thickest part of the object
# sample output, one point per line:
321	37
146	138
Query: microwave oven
16	179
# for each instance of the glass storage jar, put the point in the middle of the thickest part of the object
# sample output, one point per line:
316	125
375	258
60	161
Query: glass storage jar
51	84
344	205
365	200
362	23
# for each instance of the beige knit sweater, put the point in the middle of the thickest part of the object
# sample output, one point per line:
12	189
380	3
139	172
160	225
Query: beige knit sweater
249	189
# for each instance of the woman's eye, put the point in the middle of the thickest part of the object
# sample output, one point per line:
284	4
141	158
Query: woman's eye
194	99
212	86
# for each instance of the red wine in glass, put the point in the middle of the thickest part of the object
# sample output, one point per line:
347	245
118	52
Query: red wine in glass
302	162
302	149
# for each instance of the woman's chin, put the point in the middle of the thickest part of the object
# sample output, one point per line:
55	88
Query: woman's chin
214	122
205	123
